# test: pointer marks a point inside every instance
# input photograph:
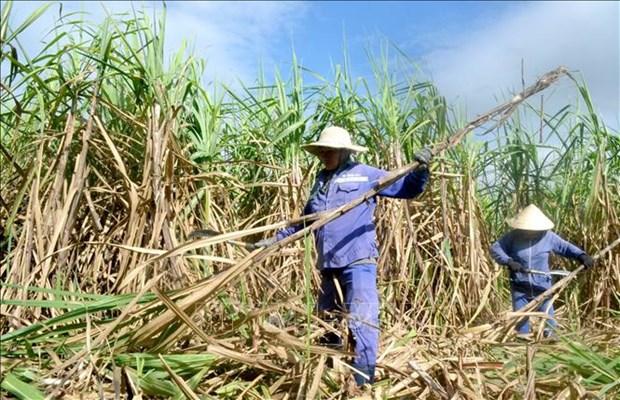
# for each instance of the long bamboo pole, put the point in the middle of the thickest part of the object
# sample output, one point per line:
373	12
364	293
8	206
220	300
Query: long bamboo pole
502	111
204	290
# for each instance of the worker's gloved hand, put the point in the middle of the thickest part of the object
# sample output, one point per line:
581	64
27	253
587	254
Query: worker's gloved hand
515	266
261	243
423	156
586	260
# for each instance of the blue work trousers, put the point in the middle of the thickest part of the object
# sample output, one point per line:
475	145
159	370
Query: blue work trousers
523	293
361	307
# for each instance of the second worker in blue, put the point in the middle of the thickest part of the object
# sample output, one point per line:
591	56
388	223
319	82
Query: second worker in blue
525	251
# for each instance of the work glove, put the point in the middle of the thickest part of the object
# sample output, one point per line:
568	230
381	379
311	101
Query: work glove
423	156
586	260
261	243
515	266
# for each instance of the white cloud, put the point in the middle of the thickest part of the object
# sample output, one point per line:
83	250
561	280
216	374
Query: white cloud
233	37
472	67
486	62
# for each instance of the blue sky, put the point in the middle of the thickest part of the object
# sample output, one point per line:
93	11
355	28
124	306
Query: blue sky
471	50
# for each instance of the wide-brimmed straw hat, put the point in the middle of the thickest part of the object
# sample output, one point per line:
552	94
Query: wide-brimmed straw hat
333	137
530	219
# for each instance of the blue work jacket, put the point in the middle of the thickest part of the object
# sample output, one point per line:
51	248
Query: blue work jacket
532	253
351	237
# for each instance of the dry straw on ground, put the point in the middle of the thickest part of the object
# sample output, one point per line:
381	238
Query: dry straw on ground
110	158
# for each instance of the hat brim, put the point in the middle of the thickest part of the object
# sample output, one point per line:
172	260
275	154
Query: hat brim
313	148
530	225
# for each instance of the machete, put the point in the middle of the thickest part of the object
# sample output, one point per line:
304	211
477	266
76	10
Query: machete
556	272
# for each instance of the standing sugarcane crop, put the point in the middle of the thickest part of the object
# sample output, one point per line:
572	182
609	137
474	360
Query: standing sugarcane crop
525	251
346	247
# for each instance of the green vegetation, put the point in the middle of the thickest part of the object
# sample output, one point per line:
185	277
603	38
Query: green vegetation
111	155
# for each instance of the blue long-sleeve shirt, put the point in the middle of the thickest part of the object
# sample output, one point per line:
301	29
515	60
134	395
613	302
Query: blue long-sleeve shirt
532	253
351	237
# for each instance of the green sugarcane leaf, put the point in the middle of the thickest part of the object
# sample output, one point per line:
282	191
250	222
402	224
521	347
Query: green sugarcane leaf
22	390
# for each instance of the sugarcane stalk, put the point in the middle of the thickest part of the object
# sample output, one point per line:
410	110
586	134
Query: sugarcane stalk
207	289
206	233
503	111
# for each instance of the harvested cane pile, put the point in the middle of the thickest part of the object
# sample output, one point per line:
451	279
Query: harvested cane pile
111	157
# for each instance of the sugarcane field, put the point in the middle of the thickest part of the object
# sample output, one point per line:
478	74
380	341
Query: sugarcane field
181	219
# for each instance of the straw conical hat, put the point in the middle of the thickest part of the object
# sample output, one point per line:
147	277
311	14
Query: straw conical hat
333	137
531	219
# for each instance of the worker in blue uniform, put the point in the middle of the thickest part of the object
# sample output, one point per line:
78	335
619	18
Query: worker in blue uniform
347	246
525	251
